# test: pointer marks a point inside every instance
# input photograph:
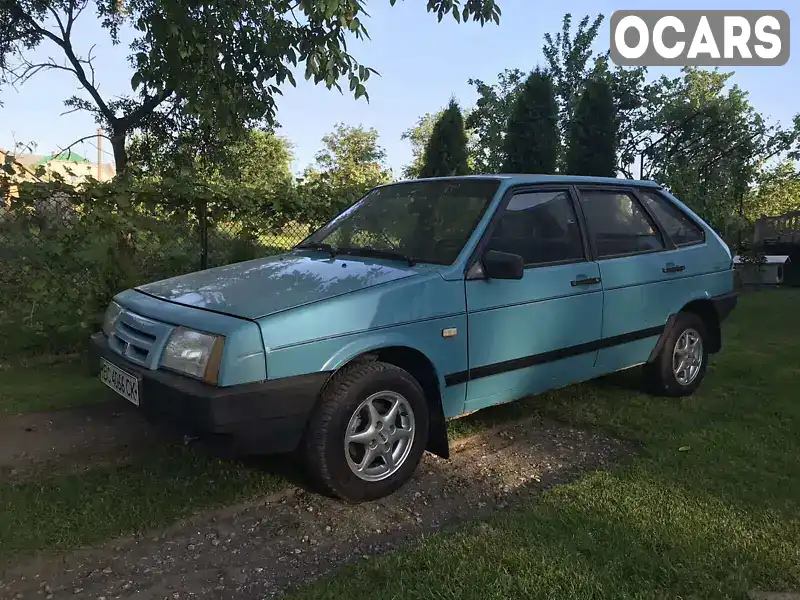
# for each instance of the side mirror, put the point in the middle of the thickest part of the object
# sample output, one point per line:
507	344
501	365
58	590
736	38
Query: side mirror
502	265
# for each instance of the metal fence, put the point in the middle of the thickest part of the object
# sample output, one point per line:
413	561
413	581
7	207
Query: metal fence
62	260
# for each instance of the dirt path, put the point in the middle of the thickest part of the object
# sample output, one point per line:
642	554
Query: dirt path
262	549
71	439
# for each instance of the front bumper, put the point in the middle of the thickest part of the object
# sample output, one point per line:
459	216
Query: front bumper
261	417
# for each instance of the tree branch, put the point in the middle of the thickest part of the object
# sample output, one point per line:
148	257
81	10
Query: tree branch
133	118
83	139
72	15
88	61
69	112
29	69
35	26
58	20
87	85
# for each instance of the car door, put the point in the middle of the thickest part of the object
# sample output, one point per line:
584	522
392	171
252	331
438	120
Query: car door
635	260
539	332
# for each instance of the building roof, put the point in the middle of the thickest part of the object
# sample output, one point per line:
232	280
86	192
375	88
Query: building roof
29	159
66	155
43	159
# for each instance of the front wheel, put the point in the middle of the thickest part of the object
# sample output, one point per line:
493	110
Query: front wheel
368	432
681	364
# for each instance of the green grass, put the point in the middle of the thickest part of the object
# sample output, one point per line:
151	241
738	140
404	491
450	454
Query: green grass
25	389
711	521
69	511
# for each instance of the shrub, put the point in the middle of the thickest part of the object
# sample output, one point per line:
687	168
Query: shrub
66	251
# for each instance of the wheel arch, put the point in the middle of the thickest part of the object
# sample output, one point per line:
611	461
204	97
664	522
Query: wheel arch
707	311
424	371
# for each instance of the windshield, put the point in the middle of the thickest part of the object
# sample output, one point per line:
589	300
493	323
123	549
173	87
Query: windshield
418	221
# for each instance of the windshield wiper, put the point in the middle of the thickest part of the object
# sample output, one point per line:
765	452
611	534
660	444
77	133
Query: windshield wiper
390	254
318	246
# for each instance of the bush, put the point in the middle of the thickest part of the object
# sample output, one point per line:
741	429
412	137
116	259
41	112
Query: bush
66	251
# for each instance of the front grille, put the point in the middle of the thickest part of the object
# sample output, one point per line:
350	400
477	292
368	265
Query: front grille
139	339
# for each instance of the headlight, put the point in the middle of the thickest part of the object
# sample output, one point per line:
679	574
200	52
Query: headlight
193	353
110	318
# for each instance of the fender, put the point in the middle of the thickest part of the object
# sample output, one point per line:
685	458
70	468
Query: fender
662	339
376	347
716	308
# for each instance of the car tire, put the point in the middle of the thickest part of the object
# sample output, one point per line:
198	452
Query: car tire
681	364
354	447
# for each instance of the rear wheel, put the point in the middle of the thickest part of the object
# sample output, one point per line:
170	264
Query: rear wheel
682	362
368	433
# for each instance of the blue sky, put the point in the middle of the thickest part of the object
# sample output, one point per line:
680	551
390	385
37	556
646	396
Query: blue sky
421	62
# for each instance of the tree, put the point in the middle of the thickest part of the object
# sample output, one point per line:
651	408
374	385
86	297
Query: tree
593	132
222	62
350	164
532	141
777	192
708	145
568	57
418	136
446	152
570	61
488	121
261	160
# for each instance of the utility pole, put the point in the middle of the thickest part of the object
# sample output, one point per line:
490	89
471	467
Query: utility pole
99	154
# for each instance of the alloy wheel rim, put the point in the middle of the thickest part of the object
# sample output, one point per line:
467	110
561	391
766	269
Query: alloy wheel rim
687	357
379	436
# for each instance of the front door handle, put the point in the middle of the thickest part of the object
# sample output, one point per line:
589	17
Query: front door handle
586	281
673	268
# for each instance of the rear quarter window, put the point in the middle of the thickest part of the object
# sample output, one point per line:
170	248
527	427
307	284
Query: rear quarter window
679	227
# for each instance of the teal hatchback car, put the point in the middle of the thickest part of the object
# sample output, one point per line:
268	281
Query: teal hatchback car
424	301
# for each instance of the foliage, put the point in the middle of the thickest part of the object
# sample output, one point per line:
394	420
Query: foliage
350	163
488	121
220	62
418	136
531	143
255	158
568	57
66	251
777	192
446	152
570	62
709	144
593	134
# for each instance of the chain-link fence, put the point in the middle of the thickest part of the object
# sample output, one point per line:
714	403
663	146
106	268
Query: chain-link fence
65	252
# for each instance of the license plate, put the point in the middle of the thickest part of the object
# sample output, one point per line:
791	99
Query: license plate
125	384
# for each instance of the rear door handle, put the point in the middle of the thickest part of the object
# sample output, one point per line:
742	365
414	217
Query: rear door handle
586	281
673	268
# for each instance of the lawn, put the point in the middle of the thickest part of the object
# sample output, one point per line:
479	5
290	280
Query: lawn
68	511
25	389
709	509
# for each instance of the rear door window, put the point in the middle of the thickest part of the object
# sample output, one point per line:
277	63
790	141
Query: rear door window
618	224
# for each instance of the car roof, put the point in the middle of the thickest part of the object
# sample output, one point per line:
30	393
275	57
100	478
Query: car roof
521	178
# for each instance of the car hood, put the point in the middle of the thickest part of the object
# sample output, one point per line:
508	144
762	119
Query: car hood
262	287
